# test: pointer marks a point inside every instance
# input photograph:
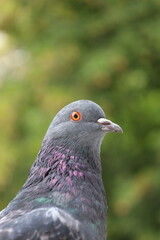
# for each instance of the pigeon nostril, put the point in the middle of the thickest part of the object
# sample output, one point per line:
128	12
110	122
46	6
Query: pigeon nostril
106	123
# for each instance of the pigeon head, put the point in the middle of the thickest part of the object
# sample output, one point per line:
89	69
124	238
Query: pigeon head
82	121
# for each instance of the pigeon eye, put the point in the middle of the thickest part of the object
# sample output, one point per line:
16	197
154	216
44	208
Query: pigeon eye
76	116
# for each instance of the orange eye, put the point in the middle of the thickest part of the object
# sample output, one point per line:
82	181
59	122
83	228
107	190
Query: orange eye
76	116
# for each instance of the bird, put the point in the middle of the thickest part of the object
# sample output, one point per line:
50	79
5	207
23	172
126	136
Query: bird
63	197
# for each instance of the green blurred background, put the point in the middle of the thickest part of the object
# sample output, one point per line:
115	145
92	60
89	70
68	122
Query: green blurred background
55	52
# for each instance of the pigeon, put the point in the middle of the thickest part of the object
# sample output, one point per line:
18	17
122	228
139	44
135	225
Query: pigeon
63	197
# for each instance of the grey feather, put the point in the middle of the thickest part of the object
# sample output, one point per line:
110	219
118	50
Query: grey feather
63	197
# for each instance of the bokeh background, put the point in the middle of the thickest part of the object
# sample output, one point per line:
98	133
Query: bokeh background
55	52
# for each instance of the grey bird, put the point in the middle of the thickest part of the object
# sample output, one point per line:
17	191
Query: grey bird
63	197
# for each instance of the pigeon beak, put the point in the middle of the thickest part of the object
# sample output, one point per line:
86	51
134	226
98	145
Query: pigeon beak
108	126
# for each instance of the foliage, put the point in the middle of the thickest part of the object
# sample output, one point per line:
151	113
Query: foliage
55	52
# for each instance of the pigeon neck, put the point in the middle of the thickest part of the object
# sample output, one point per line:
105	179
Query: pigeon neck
52	153
68	176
